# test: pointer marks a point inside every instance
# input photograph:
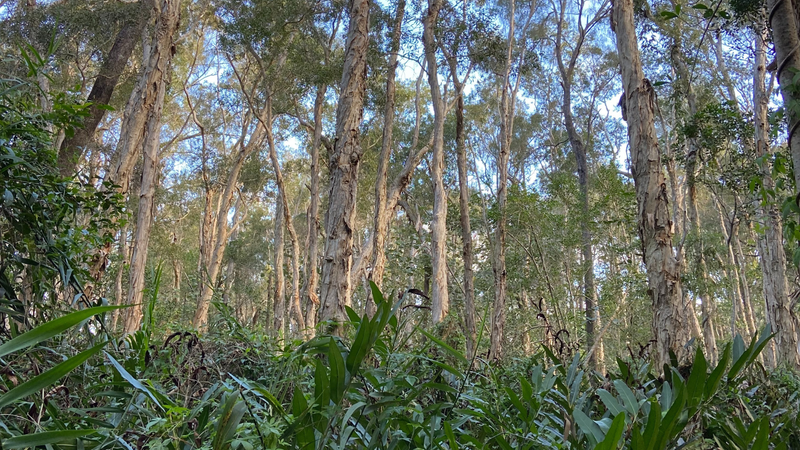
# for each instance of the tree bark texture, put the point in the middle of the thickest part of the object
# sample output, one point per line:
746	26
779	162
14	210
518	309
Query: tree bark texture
783	20
146	97
344	161
440	300
382	214
670	316
114	64
773	257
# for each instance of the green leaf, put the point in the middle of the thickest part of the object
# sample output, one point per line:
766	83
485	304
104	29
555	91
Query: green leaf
48	378
453	352
631	404
587	425
716	375
133	381
697	379
52	328
337	371
229	419
45	438
614	434
611	403
451	437
360	347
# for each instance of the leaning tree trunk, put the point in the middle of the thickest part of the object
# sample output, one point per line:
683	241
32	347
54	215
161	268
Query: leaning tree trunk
114	64
670	316
440	300
340	217
217	232
382	215
773	258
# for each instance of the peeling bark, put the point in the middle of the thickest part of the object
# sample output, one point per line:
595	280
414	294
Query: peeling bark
344	162
670	316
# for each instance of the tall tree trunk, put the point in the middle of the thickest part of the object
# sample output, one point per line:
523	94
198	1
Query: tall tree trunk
280	296
579	150
382	215
684	86
466	230
144	222
499	262
312	280
147	96
344	162
114	64
773	257
670	319
440	300
217	232
294	305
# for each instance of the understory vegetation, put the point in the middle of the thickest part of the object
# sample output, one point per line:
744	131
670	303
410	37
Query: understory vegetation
71	385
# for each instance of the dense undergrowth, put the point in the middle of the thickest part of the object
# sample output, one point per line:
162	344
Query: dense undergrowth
69	383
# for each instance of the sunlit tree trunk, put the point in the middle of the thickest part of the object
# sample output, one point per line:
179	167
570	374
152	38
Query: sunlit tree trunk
339	219
670	316
440	300
118	285
147	96
773	258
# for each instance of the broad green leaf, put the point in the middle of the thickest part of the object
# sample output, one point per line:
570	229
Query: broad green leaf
611	403
45	438
337	371
133	381
631	404
52	328
697	379
48	378
587	425
614	434
229	418
360	347
716	375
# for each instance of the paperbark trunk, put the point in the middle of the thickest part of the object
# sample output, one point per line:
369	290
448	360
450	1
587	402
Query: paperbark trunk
440	300
382	214
670	316
280	296
339	219
779	312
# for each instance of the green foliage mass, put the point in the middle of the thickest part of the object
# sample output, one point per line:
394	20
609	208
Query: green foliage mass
236	390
